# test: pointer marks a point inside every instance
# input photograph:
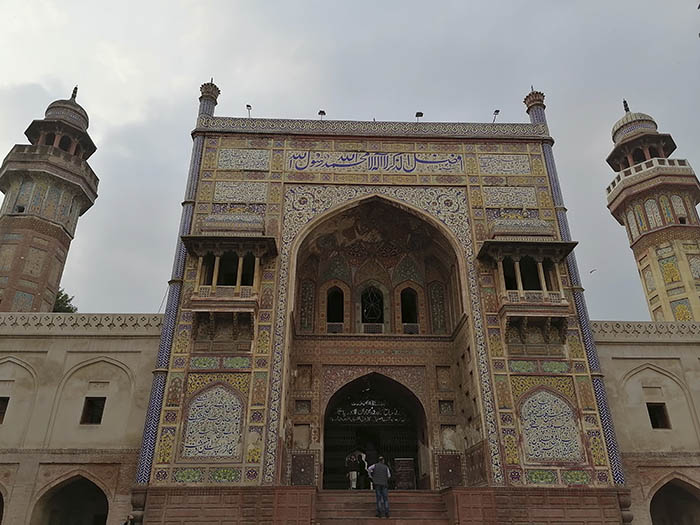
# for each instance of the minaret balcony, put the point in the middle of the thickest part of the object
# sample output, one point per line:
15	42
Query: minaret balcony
48	160
674	171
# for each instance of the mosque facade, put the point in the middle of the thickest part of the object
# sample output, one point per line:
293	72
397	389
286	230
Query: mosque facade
385	288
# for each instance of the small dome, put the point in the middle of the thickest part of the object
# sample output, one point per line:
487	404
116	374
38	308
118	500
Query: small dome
68	111
632	124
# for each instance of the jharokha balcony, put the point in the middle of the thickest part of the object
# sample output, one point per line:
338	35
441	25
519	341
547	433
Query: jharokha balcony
527	259
228	271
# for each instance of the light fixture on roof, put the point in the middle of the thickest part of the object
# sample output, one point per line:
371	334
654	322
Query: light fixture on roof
248	107
321	113
419	114
495	114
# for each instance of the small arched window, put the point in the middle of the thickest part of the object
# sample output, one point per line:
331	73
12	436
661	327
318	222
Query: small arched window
409	306
653	152
529	274
372	305
78	151
50	139
638	156
335	305
64	143
228	269
248	270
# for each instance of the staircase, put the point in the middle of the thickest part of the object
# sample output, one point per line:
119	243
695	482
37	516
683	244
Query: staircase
358	507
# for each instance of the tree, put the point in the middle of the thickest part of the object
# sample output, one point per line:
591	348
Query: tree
63	302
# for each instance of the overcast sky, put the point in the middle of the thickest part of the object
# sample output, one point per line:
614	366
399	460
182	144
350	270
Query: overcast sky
139	66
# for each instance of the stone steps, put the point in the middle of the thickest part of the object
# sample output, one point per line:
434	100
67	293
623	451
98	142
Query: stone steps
408	507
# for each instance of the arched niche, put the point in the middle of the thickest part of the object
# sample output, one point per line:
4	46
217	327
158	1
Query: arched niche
213	425
550	428
375	415
73	501
376	242
100	377
20	383
652	384
676	502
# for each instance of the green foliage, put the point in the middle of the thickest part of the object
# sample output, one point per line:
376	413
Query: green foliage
63	302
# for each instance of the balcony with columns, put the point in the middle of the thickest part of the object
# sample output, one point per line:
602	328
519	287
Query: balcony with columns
228	271
526	259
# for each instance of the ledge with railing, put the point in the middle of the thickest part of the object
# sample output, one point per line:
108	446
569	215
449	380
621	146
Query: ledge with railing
646	169
533	300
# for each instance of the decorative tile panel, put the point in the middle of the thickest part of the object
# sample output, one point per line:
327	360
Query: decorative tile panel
550	430
509	196
244	159
251	192
213	425
504	164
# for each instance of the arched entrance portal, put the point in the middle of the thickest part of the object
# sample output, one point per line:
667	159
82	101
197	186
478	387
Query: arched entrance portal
676	503
77	501
376	416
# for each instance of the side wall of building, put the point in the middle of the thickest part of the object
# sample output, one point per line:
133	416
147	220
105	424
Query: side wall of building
652	368
49	365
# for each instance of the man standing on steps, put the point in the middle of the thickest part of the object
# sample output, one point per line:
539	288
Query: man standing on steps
380	475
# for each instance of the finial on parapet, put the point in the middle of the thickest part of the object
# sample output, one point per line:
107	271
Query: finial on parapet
533	98
534	101
625	105
210	90
75	93
207	101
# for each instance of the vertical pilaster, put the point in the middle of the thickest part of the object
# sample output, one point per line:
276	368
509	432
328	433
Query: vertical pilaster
207	101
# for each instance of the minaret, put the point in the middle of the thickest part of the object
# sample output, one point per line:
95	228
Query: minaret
47	186
654	197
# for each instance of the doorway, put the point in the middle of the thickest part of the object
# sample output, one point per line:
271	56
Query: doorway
375	416
77	501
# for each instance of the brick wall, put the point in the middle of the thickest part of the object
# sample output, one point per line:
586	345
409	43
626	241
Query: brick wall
513	506
230	506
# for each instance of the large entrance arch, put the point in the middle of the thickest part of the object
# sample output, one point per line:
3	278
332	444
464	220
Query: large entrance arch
676	503
375	415
76	501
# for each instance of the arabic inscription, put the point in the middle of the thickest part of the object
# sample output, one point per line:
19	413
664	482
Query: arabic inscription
377	162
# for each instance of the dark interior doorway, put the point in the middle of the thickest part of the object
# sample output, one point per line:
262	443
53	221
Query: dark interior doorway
676	503
77	501
377	416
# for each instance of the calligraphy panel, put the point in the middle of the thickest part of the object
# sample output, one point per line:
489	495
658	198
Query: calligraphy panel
244	159
509	196
378	162
213	425
550	432
504	164
227	191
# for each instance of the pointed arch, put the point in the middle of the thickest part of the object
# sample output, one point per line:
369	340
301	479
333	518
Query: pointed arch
54	488
334	211
554	435
684	388
670	477
213	424
71	372
407	270
29	369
